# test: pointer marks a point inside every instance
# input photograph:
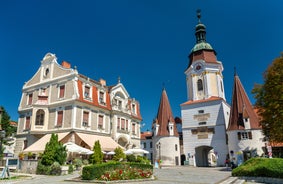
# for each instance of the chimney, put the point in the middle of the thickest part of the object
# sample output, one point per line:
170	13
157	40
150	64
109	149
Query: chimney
102	82
65	64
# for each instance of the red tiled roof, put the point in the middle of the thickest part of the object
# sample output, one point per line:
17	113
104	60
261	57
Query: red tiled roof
165	115
207	56
144	135
212	98
241	108
13	123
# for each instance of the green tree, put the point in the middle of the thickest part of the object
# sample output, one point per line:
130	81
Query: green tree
119	154
54	152
269	101
97	156
6	126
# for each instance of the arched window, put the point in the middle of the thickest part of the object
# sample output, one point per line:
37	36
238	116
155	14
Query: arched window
200	85
39	117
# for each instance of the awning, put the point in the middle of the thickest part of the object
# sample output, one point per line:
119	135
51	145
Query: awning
39	145
106	143
74	148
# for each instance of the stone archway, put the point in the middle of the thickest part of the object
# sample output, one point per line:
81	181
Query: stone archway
123	141
202	156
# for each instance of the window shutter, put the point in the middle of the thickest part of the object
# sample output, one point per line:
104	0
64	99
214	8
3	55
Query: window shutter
29	99
250	135
100	120
118	123
62	91
123	124
27	123
85	117
239	135
59	118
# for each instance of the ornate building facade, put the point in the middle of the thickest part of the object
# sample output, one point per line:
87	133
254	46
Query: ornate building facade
58	99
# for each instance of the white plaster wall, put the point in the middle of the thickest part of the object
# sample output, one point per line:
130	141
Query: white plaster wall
167	151
217	120
248	144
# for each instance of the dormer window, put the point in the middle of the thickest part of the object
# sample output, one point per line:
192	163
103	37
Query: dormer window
134	108
87	91
101	97
46	72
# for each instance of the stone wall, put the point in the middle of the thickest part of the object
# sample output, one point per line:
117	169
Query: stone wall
28	166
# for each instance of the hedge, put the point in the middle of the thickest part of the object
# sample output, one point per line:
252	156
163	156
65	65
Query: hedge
260	167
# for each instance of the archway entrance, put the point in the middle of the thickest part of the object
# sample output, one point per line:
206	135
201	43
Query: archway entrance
203	156
122	141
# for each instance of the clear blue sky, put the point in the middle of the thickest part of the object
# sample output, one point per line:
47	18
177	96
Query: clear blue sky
144	42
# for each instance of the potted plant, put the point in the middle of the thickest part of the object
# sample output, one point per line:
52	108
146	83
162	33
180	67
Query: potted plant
21	156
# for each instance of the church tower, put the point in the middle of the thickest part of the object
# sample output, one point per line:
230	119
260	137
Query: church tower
205	114
165	137
204	73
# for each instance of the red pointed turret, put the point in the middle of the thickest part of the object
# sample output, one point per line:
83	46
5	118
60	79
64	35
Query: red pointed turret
165	116
241	109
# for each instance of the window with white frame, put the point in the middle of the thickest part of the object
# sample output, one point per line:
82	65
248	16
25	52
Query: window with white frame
102	97
133	128
134	108
87	93
39	120
244	135
85	119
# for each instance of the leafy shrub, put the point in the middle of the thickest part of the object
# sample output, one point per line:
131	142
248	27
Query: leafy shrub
85	162
55	169
260	167
119	154
42	169
71	169
131	158
77	162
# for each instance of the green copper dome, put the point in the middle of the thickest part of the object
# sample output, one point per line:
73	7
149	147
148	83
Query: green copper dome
200	32
201	46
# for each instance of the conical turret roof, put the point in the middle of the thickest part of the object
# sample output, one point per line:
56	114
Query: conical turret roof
241	108
165	116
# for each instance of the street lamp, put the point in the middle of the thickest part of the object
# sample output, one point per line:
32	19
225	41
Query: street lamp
159	146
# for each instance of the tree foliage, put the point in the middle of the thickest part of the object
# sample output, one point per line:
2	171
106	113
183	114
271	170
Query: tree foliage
6	126
269	101
54	152
97	156
119	154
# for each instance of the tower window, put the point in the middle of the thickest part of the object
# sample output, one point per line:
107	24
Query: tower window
200	85
201	111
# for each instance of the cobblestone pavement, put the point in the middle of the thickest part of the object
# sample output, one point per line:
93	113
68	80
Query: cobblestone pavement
170	175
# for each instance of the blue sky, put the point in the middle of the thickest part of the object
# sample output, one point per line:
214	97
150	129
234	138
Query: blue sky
144	42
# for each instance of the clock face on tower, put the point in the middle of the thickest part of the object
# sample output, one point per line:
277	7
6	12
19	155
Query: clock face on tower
198	67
